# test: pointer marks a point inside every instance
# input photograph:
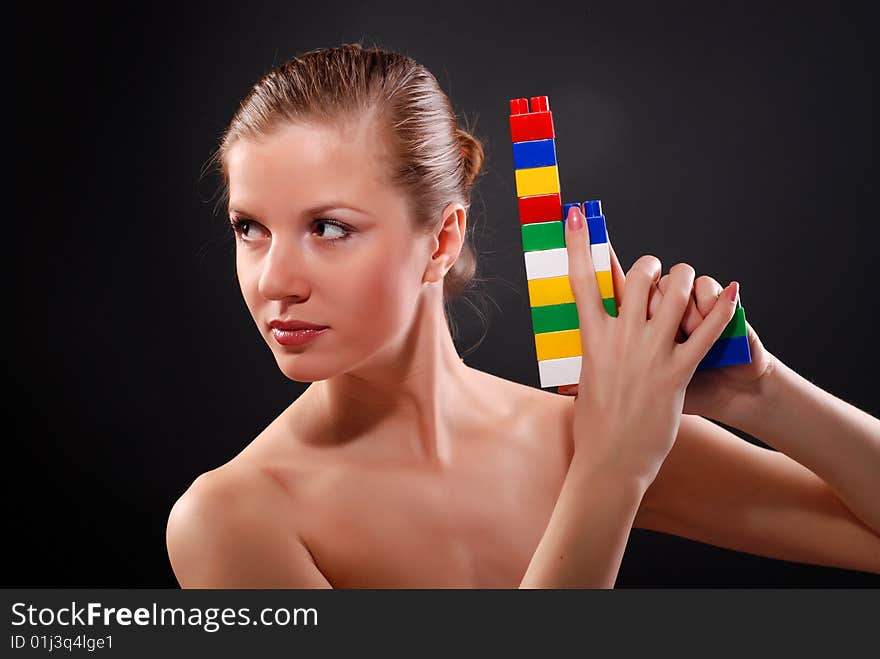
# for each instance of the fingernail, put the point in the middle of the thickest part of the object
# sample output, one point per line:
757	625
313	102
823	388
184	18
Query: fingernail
732	291
574	218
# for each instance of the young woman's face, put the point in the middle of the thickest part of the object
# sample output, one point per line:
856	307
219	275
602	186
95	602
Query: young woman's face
323	238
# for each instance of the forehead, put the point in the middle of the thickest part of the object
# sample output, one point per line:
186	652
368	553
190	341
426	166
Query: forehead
307	161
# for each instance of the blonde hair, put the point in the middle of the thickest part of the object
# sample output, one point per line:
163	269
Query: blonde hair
436	161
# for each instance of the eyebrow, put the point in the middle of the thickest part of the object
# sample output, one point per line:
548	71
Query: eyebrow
315	210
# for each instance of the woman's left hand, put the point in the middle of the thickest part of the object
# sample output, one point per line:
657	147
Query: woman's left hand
717	393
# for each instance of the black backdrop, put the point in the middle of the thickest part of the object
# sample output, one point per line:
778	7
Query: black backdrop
739	140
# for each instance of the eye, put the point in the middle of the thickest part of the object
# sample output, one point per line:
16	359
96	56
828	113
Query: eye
243	228
338	229
331	231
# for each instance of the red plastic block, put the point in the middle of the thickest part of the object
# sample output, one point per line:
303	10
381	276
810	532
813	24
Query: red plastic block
540	208
540	104
536	124
519	106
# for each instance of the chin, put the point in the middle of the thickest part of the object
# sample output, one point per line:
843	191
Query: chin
304	368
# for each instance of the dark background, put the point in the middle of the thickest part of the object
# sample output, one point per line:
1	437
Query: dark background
740	140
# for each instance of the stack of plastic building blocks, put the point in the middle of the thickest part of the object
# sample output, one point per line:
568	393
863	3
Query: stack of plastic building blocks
542	216
732	347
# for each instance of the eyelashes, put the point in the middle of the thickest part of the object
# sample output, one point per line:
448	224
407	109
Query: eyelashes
241	226
238	225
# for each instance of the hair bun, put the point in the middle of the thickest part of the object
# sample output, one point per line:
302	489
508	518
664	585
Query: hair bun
472	155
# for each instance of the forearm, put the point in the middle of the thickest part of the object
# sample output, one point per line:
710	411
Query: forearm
837	441
586	536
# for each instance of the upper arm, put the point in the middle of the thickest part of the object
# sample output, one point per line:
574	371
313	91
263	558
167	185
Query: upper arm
719	489
221	537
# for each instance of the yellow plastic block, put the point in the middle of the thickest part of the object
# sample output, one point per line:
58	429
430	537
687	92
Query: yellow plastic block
557	290
551	290
556	345
606	285
537	180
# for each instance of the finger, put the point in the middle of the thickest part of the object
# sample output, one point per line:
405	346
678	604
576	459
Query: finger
692	316
702	338
706	292
568	390
639	281
656	296
663	282
656	299
618	279
581	272
675	299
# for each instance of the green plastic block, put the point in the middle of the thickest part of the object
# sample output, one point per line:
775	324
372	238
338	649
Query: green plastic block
737	324
555	318
610	306
559	317
542	235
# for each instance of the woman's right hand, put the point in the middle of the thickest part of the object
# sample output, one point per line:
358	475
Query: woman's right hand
633	372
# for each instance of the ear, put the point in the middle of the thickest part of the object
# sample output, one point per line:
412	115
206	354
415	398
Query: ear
448	242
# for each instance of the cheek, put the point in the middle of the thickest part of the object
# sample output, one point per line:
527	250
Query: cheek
381	296
248	281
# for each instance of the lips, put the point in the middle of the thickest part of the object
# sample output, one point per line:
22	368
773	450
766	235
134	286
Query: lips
296	337
295	332
292	325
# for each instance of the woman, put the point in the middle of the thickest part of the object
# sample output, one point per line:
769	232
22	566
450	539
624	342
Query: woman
349	184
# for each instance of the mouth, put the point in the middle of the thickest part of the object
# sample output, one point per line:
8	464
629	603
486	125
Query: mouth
294	337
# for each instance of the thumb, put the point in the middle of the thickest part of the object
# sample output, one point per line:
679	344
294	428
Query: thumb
701	339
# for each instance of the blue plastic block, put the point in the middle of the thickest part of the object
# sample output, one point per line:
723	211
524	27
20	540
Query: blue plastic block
593	208
595	222
597	230
727	352
535	153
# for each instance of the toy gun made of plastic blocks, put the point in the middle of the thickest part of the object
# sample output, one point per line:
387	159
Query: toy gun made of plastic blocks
542	215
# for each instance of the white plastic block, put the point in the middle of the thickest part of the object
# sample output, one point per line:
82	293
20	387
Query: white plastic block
546	263
557	372
601	257
554	262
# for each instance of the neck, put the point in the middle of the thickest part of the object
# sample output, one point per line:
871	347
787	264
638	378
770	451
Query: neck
414	392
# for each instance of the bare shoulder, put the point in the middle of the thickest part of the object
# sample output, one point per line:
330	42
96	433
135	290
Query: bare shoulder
539	413
230	490
523	394
235	527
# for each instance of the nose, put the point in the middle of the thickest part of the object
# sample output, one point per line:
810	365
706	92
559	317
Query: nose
285	271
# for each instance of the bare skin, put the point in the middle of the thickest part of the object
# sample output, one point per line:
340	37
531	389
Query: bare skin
399	465
371	520
365	521
402	467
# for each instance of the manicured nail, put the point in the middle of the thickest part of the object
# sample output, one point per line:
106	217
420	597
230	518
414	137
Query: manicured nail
574	219
733	290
